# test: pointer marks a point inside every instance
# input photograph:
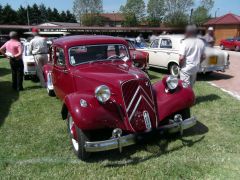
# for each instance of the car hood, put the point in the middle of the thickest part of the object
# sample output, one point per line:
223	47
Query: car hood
109	73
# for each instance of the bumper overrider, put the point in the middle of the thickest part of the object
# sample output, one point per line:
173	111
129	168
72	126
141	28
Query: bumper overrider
119	141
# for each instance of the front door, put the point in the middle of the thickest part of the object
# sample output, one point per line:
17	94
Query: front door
62	79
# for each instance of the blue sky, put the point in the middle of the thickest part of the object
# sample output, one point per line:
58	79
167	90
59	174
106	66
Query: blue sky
113	5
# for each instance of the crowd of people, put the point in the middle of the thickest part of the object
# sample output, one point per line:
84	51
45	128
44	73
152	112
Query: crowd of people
191	54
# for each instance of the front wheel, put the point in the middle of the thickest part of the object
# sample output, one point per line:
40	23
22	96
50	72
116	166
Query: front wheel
222	47
78	139
237	48
174	69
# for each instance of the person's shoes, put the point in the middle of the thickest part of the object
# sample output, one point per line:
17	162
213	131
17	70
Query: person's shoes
20	89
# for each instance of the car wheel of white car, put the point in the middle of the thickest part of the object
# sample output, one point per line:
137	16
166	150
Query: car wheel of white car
174	69
222	47
237	48
78	139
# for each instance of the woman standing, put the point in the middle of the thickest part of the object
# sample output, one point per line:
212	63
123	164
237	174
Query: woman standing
12	49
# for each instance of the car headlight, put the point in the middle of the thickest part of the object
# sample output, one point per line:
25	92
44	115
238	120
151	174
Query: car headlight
102	93
172	82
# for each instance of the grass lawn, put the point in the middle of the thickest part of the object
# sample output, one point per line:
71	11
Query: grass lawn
34	143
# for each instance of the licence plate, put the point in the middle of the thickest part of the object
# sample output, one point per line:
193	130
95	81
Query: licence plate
147	120
213	60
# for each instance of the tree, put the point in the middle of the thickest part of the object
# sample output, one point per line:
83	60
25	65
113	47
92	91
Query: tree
92	20
43	13
130	20
202	13
207	4
156	11
82	7
134	8
200	16
177	12
70	17
9	16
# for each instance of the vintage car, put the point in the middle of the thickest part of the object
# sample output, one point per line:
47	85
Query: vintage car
29	63
230	43
140	58
107	101
164	54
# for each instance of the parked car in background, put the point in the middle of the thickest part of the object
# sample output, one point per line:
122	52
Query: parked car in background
140	58
230	43
29	63
3	39
164	54
107	101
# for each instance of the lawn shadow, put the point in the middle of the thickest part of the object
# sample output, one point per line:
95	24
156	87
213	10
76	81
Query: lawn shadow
154	143
7	97
207	98
4	71
214	76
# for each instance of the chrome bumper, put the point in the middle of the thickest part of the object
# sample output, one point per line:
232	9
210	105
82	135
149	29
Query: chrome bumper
213	68
123	141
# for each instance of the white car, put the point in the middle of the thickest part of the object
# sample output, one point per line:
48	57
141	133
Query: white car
164	54
29	63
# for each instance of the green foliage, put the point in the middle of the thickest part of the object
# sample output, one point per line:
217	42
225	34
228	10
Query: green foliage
156	11
92	20
37	14
130	20
176	19
134	12
207	4
200	16
81	7
177	12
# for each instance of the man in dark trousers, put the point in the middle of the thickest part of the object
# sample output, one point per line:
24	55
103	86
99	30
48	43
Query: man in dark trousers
12	49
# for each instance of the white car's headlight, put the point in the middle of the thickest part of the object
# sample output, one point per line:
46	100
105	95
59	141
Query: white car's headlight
172	82
102	93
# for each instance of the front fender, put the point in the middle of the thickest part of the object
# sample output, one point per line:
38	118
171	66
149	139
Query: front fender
170	103
95	115
46	70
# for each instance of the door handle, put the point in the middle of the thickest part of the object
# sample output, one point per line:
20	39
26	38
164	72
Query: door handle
65	71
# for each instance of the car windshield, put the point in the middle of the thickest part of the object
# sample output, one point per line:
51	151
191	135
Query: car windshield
93	53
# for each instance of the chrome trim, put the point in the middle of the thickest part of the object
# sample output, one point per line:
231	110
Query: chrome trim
123	141
213	68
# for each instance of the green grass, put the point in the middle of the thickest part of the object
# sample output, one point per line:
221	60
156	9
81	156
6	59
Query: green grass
34	143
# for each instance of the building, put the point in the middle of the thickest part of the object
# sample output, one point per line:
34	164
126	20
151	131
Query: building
225	26
112	19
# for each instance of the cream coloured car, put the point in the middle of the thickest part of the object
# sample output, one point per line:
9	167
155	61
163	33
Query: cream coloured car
164	54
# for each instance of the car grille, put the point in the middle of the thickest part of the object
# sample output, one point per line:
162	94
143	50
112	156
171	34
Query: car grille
138	98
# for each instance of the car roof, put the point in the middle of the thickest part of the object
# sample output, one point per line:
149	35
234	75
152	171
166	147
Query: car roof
78	40
176	36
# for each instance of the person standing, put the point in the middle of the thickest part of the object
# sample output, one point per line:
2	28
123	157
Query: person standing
12	49
209	37
191	55
38	48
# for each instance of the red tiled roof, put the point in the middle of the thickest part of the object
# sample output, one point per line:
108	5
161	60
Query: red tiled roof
113	16
226	19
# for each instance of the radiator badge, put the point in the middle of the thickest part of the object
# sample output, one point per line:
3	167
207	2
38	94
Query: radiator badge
147	120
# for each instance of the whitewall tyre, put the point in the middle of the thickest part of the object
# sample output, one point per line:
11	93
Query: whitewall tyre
174	70
222	47
78	139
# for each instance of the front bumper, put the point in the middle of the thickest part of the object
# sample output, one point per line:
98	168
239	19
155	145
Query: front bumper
123	141
29	73
213	68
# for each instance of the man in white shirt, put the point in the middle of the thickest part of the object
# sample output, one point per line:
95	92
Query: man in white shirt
191	55
209	37
38	48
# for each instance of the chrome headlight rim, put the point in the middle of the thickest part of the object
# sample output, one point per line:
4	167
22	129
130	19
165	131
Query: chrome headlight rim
172	82
102	93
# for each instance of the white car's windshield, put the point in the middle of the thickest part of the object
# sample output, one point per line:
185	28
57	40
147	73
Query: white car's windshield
93	53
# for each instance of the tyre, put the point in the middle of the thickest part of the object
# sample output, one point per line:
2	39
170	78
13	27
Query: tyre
78	139
186	113
222	47
50	91
26	77
237	48
174	69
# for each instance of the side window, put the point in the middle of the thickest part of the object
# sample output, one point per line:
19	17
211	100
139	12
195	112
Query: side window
155	43
60	58
166	43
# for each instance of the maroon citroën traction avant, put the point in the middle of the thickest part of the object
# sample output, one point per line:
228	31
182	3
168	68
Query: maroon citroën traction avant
101	89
